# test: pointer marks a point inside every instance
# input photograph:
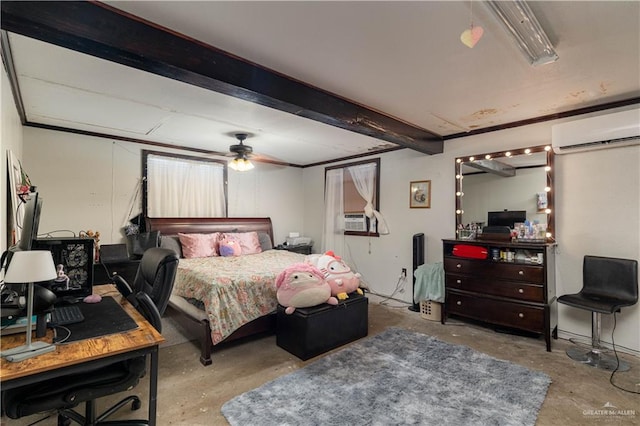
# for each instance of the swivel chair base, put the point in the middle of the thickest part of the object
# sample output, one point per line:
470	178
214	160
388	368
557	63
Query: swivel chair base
595	358
65	417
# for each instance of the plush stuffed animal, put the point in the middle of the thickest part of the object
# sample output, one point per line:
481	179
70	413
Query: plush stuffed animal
229	247
337	273
301	286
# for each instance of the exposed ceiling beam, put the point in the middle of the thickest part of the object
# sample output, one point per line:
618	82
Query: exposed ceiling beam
99	30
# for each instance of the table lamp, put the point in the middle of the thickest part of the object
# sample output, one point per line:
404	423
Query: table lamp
29	267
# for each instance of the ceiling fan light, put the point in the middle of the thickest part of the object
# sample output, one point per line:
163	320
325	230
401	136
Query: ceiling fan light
522	25
241	164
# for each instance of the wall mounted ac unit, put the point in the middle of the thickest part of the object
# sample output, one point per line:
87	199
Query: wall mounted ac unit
356	222
605	131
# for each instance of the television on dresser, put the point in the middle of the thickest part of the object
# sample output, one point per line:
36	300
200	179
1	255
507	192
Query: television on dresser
506	218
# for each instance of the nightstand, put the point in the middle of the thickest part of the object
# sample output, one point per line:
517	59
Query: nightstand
300	248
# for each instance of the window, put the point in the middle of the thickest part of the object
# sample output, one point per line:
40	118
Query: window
183	186
352	190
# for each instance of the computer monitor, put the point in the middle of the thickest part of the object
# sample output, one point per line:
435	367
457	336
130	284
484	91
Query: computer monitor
12	298
506	218
29	229
30	222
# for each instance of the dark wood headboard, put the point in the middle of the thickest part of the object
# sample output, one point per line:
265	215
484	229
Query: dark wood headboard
206	225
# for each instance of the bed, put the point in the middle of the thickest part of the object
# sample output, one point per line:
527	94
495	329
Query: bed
242	300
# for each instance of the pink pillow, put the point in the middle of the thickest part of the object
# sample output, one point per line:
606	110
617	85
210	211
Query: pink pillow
199	245
249	241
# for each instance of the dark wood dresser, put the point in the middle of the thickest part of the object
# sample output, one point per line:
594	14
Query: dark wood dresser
517	294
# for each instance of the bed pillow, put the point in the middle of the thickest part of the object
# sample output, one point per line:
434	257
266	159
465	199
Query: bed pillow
265	241
249	242
172	243
199	245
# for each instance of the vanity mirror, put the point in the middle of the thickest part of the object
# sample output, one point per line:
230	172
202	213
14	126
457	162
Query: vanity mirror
507	184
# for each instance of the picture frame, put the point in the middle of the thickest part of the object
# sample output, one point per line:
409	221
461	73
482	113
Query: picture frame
420	194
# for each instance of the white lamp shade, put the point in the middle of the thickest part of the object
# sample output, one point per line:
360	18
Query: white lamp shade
30	267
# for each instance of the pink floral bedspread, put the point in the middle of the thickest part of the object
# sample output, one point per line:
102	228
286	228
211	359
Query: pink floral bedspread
234	290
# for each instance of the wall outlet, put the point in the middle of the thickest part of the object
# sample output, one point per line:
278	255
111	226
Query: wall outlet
404	273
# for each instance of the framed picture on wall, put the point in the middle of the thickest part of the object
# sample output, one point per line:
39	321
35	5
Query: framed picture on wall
420	194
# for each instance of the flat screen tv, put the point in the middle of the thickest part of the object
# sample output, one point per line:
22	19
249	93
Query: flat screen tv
506	218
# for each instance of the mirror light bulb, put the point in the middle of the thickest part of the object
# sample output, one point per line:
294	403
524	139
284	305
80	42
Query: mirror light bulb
507	154
547	148
457	176
547	189
458	160
548	234
547	169
547	211
458	193
488	157
527	151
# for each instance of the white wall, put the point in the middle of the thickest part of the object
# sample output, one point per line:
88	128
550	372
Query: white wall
597	212
380	260
89	184
10	139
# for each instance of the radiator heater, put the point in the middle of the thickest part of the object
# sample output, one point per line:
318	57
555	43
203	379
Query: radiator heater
418	259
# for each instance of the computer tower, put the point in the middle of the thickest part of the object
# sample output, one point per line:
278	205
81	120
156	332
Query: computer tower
73	258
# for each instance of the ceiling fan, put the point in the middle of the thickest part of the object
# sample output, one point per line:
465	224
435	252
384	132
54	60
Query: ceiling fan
241	152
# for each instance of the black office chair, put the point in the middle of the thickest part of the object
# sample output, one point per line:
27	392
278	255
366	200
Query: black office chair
608	285
155	275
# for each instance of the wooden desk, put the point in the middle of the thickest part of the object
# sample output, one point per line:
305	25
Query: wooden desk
83	355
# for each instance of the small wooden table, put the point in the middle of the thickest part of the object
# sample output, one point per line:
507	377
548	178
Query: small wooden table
87	354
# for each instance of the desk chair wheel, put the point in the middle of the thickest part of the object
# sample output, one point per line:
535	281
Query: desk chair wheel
136	404
63	421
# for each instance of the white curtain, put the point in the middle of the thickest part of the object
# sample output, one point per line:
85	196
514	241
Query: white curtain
178	187
364	180
333	228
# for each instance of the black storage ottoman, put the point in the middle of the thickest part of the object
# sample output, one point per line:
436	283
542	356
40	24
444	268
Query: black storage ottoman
309	332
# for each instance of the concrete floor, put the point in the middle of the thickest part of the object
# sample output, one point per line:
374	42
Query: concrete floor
190	394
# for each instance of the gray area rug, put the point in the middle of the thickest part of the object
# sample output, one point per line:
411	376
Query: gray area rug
397	377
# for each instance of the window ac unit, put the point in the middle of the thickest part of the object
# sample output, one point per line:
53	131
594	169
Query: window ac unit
356	222
605	131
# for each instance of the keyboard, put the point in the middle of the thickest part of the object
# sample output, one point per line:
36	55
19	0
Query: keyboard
63	315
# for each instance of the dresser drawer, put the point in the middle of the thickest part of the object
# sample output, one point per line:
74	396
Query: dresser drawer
508	314
508	271
503	288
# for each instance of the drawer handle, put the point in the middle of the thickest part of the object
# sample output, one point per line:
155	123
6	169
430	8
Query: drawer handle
458	303
459	281
520	291
520	272
458	266
521	315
